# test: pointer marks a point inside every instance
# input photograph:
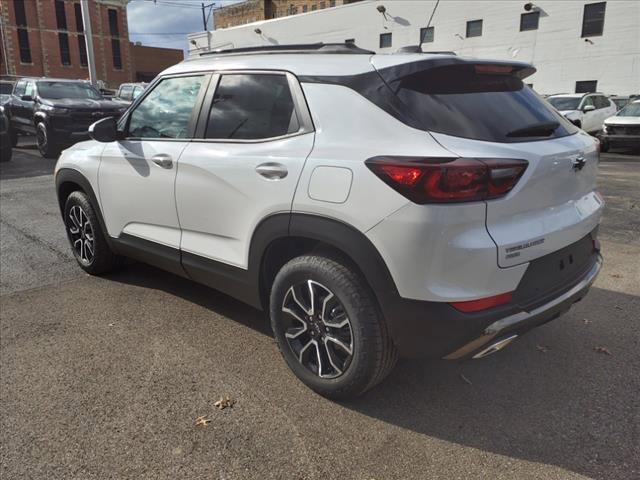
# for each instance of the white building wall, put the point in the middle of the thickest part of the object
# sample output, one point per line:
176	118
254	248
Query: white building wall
557	49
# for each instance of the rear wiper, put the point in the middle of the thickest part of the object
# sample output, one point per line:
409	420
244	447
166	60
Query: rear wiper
542	129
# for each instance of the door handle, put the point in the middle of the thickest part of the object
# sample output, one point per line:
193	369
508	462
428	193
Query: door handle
272	170
162	160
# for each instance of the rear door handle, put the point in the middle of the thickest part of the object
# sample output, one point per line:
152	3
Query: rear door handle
272	170
162	160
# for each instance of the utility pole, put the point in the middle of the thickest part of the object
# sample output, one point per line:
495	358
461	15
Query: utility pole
205	18
88	39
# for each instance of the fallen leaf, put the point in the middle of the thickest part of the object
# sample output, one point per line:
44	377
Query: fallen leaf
617	307
616	275
465	379
542	348
203	420
604	350
111	324
224	402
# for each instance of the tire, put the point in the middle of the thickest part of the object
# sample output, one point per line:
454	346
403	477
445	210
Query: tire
87	240
14	137
605	145
365	354
5	154
46	145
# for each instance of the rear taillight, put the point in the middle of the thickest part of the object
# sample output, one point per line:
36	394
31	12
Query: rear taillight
447	180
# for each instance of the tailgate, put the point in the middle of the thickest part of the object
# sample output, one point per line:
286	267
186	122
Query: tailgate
553	205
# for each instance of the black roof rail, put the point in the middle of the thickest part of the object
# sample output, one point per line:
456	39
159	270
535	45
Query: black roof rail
319	47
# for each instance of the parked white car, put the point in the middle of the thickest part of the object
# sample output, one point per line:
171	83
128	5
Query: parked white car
623	129
373	205
585	110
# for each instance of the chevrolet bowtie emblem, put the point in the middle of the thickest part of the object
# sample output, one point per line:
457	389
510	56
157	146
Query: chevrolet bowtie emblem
578	163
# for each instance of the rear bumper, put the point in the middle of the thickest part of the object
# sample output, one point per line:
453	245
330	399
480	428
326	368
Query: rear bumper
522	322
547	290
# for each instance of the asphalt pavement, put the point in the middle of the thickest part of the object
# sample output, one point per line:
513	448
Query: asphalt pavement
104	378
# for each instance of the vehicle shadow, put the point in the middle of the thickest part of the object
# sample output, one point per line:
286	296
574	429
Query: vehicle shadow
549	398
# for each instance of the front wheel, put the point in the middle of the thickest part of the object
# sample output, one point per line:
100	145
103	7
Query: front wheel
45	142
87	240
329	328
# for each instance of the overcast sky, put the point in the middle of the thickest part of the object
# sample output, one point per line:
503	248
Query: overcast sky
165	23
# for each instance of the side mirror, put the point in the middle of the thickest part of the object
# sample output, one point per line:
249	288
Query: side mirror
588	108
26	98
105	130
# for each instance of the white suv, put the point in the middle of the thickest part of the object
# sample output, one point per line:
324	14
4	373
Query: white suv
374	205
587	111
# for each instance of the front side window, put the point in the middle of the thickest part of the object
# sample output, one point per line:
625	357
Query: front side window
167	111
588	102
252	107
20	87
136	92
385	40
593	19
54	90
29	89
125	92
474	28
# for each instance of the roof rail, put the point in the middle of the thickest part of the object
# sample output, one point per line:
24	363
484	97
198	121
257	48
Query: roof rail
294	48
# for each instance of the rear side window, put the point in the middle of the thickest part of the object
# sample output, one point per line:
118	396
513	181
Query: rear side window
252	107
465	102
167	111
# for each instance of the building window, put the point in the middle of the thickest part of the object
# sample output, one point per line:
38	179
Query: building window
65	55
314	7
115	53
323	5
593	19
350	41
332	3
113	23
23	43
21	14
82	49
61	16
529	21
305	8
426	35
586	86
474	28
78	11
385	40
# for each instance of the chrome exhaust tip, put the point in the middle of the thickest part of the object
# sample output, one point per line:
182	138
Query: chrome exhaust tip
495	347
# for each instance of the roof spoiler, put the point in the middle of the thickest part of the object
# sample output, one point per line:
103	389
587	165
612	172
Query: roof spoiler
418	49
320	47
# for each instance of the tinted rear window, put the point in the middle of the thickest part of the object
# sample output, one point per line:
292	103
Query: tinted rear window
455	100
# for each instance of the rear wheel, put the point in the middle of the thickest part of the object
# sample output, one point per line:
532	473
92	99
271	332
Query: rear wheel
45	142
329	328
87	240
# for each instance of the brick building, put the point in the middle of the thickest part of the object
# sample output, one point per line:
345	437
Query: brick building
46	38
150	61
256	10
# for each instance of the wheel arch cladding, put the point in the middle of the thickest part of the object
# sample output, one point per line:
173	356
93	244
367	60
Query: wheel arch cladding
68	181
312	233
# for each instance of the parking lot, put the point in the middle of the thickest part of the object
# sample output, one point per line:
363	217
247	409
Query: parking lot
105	377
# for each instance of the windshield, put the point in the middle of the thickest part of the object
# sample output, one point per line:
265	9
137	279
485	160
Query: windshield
631	110
564	103
57	90
6	88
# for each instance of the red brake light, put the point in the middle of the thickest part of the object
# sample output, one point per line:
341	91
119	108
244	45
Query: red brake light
445	180
483	303
489	69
